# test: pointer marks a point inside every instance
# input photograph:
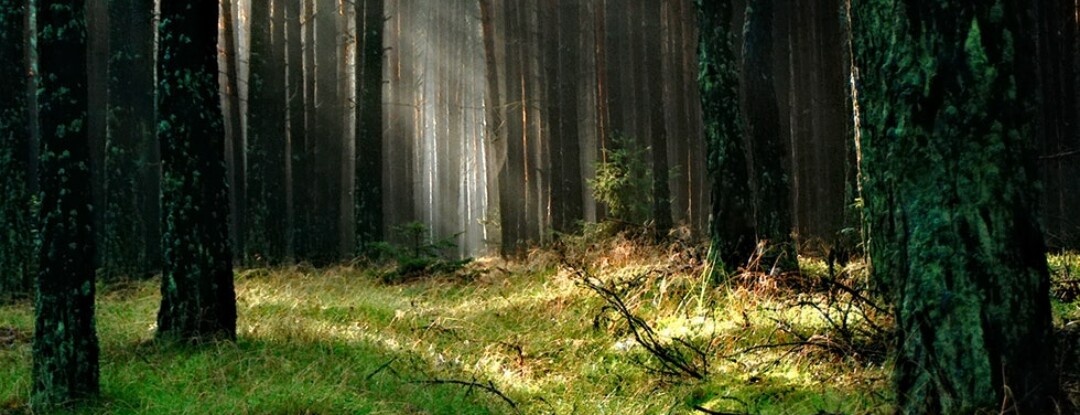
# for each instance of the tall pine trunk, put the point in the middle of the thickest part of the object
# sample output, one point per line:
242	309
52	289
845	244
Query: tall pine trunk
266	203
369	128
770	177
235	142
731	230
949	177
198	299
65	349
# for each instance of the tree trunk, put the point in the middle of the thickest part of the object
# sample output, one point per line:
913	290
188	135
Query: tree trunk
265	239
326	150
770	177
198	299
65	349
652	88
295	78
495	144
17	257
369	125
949	177
731	230
235	142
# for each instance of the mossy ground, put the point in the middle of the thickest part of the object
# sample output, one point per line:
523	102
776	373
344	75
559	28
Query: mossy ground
340	340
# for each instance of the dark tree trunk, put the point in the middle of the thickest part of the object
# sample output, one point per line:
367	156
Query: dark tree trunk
656	128
65	350
326	150
511	177
265	239
947	95
765	145
732	229
131	229
198	299
17	256
369	128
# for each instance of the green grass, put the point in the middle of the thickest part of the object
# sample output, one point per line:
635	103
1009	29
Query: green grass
340	340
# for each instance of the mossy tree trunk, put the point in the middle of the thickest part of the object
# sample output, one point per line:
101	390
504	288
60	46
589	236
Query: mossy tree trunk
65	349
198	299
949	178
16	214
732	228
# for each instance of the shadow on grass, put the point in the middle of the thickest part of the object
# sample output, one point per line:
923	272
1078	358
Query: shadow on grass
264	376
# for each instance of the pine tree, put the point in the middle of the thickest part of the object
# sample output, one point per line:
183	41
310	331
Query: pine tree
198	299
947	95
65	349
732	230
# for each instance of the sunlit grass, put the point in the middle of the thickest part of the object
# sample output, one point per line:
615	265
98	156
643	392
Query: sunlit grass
340	340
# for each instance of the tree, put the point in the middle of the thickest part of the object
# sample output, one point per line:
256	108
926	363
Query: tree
16	214
266	146
65	349
947	95
369	125
235	142
731	230
769	178
198	299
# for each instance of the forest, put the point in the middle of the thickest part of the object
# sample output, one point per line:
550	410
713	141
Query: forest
735	207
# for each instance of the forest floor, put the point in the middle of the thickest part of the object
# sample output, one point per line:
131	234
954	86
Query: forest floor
503	337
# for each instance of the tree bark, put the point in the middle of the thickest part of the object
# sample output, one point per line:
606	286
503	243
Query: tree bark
731	230
65	347
948	172
198	298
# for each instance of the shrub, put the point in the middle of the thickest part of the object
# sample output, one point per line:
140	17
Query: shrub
624	181
418	255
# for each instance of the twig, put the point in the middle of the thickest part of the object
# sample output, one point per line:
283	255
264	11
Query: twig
712	412
380	369
490	387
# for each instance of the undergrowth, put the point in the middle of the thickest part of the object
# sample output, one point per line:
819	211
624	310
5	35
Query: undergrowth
518	336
